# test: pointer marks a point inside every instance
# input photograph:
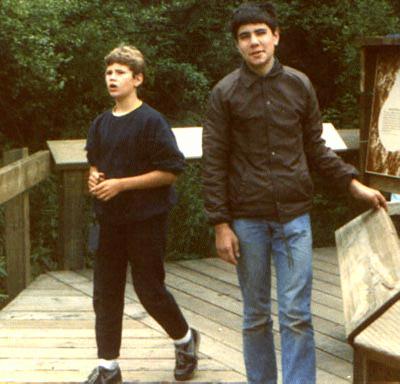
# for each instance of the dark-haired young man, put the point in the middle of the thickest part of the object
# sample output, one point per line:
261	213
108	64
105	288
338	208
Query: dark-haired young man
261	129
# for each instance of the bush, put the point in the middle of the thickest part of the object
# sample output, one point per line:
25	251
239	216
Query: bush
331	210
190	234
44	211
52	61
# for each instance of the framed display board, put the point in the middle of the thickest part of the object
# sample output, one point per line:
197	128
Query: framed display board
380	113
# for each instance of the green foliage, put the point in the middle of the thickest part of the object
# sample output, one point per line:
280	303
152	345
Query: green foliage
52	62
44	210
330	211
189	234
52	51
332	207
322	40
184	85
53	66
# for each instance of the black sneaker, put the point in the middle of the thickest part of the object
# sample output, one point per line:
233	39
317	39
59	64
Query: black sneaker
101	375
186	358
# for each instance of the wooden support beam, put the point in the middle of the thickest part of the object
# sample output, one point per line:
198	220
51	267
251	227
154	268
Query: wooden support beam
72	219
17	237
359	367
384	183
23	174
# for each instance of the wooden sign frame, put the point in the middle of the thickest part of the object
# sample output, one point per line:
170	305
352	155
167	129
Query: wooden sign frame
377	54
369	267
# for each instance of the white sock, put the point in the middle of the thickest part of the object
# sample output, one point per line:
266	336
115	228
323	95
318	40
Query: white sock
185	339
108	364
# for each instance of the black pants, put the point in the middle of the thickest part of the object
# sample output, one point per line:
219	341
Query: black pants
142	244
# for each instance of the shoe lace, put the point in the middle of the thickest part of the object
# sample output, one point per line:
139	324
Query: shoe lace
182	357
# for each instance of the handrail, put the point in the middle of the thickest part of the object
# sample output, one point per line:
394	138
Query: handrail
20	173
19	176
70	163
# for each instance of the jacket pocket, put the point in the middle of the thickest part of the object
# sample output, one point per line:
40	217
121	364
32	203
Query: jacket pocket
236	187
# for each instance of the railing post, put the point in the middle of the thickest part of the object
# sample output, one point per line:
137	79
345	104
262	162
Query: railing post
71	164
17	238
72	220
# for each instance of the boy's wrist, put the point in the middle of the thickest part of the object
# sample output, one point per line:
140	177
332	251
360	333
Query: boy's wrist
126	184
122	185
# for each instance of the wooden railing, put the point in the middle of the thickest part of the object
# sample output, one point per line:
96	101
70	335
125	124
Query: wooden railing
20	173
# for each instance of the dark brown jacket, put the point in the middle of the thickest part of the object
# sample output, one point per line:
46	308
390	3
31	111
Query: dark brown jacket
259	134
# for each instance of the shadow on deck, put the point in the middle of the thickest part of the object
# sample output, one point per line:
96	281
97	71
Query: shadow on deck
46	333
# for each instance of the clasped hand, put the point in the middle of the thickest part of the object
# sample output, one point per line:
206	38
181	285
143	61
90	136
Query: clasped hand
101	188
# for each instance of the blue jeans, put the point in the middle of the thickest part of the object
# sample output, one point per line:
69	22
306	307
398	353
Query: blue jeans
290	245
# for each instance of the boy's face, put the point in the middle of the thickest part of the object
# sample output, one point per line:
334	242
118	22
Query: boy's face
256	43
121	81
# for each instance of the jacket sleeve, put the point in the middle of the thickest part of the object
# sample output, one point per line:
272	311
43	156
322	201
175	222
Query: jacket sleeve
321	157
215	160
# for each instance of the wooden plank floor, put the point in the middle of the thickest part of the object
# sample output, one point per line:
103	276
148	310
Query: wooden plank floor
46	333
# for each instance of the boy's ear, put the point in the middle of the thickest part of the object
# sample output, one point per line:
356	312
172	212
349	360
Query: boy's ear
138	79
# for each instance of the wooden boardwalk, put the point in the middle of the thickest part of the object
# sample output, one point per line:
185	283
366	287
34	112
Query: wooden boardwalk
46	333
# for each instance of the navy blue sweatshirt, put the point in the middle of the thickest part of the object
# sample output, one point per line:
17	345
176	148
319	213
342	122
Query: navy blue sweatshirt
130	145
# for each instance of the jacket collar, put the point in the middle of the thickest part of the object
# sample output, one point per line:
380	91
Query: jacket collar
248	77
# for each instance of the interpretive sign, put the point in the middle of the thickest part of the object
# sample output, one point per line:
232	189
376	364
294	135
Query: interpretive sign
369	268
383	153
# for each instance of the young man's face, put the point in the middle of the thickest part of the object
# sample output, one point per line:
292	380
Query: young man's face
121	81
256	43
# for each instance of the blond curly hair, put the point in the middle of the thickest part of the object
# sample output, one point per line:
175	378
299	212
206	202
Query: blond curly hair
128	55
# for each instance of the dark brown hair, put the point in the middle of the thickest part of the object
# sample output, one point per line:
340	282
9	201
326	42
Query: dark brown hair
252	13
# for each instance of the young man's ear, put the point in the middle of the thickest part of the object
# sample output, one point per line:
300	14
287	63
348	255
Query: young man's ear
276	36
138	79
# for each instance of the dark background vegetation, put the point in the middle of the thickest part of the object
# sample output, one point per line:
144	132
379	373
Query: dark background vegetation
52	84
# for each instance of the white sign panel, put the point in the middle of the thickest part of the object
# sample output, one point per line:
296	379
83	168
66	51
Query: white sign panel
389	118
189	140
332	137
